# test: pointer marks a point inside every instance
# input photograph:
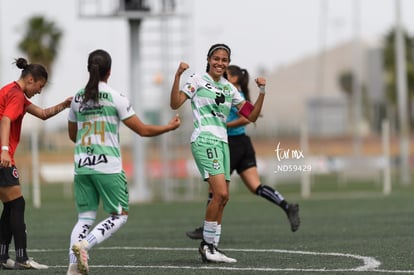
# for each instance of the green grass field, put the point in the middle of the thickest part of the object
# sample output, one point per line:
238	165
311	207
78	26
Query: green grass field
346	229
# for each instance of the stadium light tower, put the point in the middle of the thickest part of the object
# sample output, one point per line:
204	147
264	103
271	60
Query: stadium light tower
135	11
356	80
402	98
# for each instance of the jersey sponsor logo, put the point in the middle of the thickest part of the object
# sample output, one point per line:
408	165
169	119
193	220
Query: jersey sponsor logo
209	86
79	97
90	107
220	115
92	160
220	92
87	109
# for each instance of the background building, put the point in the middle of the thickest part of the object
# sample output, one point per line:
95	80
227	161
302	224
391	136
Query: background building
308	93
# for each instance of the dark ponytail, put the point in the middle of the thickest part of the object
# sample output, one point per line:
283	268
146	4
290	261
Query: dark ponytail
242	79
37	71
99	65
244	83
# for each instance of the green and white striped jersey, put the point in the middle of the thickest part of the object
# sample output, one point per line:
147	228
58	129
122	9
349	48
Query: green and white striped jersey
97	148
210	102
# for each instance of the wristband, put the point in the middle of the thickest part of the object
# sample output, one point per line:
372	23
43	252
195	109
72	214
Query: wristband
262	89
5	148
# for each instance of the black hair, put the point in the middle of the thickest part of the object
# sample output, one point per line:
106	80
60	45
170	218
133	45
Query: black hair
99	65
242	79
37	71
214	48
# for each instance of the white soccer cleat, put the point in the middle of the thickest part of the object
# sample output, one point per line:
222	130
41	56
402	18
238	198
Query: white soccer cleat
81	254
209	253
8	264
29	264
224	258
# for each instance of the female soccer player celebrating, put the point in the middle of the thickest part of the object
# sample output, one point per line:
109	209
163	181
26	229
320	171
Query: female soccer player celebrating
243	157
211	97
94	120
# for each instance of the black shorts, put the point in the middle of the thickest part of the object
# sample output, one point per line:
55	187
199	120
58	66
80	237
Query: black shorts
242	154
9	176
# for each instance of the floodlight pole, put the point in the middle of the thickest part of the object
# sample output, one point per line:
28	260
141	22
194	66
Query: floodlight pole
135	11
165	112
402	98
139	190
356	84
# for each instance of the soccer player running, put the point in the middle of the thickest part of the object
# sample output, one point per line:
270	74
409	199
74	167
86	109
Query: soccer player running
93	125
243	158
211	97
14	104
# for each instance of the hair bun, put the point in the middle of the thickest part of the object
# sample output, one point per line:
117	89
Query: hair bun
21	63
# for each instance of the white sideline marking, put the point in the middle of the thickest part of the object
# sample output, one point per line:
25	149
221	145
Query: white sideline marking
370	264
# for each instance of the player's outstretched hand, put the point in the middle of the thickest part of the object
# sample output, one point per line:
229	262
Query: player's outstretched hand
68	101
175	122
